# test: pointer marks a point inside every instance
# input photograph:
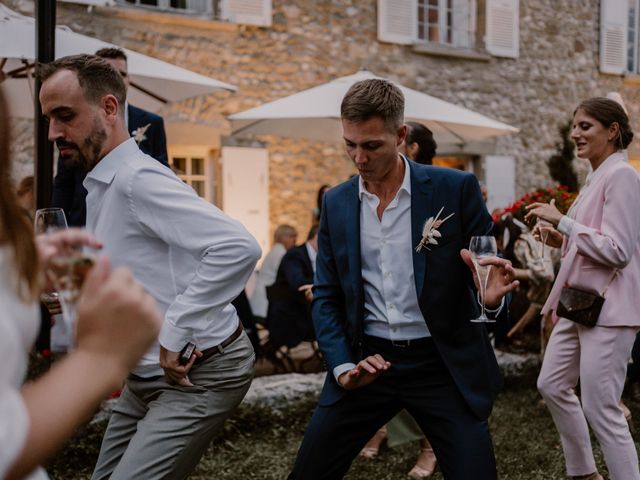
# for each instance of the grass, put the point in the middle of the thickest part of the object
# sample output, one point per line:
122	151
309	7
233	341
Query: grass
259	443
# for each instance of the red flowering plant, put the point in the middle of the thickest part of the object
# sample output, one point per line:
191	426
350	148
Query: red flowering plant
561	194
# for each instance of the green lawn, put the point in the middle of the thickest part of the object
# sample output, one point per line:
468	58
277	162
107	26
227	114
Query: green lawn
258	443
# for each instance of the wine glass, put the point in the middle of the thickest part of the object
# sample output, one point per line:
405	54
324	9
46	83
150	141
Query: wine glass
67	269
48	220
482	247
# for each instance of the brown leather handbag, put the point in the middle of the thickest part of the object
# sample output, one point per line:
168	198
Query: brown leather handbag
580	306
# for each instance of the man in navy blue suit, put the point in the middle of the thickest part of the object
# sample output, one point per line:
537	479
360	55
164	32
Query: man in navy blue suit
392	320
146	127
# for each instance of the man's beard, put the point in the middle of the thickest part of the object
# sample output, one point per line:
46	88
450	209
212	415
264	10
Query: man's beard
85	158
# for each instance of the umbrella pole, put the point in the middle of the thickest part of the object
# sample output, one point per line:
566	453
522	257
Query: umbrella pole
45	44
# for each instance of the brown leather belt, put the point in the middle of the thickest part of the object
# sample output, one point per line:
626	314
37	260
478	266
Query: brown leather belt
208	352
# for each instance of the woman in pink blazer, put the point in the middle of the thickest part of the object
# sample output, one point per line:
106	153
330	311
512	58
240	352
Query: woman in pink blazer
600	240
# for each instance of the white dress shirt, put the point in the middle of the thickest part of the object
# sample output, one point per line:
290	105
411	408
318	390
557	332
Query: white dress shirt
312	255
391	308
190	256
265	277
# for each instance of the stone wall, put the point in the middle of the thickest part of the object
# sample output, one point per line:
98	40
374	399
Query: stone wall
314	41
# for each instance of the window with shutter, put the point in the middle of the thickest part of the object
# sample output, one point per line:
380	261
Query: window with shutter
397	21
503	28
449	23
614	15
187	7
252	12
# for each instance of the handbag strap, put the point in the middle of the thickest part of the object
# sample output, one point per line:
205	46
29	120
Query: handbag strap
615	274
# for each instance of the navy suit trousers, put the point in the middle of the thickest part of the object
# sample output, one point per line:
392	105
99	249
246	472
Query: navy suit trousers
419	381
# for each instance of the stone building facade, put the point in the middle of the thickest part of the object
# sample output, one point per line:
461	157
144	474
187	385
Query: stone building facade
310	42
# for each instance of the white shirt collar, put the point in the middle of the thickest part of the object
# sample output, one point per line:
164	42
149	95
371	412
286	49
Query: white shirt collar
406	181
106	169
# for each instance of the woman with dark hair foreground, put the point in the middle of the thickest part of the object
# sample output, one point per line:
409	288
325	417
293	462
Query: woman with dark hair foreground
595	295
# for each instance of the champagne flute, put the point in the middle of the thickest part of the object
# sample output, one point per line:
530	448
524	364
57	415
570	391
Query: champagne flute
48	220
482	247
68	268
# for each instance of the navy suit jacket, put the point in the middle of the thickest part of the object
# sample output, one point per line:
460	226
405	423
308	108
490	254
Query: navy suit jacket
68	191
289	313
443	282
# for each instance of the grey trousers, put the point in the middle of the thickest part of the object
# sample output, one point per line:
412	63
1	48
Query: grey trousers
160	431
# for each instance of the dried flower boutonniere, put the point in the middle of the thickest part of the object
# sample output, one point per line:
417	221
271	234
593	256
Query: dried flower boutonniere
430	232
139	133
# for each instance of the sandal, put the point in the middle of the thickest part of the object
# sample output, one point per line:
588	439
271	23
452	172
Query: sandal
372	448
425	465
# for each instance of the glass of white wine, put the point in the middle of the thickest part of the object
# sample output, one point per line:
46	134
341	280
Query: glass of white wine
482	247
68	268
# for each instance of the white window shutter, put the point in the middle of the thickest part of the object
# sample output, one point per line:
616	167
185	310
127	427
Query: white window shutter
503	28
464	23
613	36
250	12
397	21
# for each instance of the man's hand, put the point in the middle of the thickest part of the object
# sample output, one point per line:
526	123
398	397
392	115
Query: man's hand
176	373
364	373
501	277
307	289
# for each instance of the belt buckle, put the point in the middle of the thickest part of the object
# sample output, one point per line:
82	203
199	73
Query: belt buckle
400	343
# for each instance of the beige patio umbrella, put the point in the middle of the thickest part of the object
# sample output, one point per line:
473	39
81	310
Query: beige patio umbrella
314	114
153	82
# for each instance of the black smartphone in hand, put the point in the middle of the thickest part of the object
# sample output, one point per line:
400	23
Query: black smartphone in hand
186	352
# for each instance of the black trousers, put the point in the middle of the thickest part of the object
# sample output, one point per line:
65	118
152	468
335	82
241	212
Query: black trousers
418	381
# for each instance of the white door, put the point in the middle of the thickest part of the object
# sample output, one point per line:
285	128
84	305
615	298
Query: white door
500	179
245	190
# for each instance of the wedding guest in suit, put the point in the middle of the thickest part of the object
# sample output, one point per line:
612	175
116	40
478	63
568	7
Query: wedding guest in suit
289	317
284	238
420	147
393	323
117	321
191	257
147	128
600	240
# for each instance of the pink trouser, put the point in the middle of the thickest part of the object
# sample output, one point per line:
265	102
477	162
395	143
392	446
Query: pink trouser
597	356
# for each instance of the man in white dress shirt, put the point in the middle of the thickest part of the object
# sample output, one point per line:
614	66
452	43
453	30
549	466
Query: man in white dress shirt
189	256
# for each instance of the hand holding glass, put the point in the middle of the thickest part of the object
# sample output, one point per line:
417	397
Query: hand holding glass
482	247
68	268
